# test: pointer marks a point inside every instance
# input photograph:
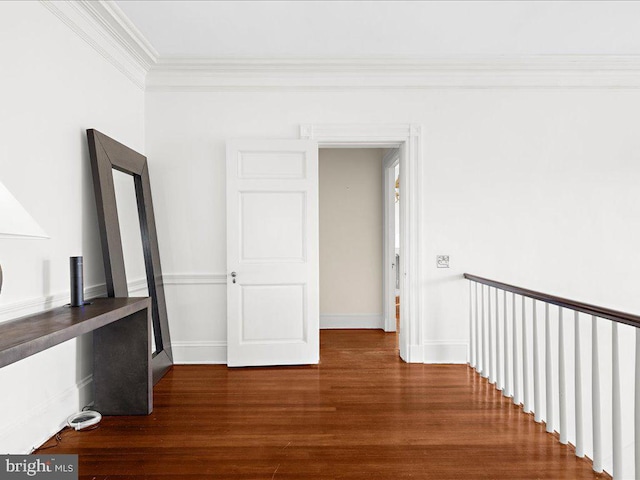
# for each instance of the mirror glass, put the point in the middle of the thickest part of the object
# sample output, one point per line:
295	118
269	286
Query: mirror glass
131	236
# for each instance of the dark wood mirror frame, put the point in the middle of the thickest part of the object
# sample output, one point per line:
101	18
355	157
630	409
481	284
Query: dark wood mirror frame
107	154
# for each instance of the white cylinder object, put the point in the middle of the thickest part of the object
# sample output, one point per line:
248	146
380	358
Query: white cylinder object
595	397
485	358
526	403
537	403
517	398
492	367
477	336
548	366
637	407
508	391
499	353
616	405
562	381
472	356
578	388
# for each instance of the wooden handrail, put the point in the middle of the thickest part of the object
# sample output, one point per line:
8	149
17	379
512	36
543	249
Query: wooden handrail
602	312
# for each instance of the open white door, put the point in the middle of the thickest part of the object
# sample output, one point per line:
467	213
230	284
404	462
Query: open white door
272	253
390	265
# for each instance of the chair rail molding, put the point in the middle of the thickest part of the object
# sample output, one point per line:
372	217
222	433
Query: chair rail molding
195	279
408	137
105	27
29	306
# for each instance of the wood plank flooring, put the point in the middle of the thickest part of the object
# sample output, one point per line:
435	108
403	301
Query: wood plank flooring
360	414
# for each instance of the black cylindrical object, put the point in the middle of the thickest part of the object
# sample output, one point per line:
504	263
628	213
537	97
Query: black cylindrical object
77	282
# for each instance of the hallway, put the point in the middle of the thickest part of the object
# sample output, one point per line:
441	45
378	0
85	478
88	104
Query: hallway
360	414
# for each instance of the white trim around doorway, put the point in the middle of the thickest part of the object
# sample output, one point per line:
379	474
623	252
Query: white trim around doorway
408	138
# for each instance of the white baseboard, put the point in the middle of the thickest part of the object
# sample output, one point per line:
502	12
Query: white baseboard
415	354
45	420
445	352
351	320
199	353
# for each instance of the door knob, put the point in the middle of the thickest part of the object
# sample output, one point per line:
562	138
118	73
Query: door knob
233	276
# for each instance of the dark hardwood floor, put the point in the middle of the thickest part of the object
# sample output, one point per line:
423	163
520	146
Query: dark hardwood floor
360	414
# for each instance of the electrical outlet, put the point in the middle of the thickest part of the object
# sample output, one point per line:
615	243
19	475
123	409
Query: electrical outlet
442	261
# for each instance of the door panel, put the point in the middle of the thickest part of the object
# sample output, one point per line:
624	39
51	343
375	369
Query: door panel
272	246
272	226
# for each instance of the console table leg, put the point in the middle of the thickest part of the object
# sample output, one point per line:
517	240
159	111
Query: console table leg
122	377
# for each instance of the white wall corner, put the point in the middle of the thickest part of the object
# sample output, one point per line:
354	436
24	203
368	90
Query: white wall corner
18	436
104	26
351	320
199	353
446	352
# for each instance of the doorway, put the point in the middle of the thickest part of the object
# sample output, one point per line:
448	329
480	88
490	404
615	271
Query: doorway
407	138
351	241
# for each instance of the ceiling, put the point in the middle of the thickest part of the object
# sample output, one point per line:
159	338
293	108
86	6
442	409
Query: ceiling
268	29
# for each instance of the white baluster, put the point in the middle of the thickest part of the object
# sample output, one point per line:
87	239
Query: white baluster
537	404
615	398
595	398
578	388
564	435
477	339
499	380
548	364
637	407
492	366
526	404
516	372
472	353
508	391
485	359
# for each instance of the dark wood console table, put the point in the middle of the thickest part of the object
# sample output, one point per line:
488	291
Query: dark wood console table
122	376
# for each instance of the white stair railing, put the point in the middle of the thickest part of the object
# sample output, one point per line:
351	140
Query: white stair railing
506	343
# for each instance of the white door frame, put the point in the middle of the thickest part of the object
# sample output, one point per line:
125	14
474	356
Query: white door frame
408	138
389	267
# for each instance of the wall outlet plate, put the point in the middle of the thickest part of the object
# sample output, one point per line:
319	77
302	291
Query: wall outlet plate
442	261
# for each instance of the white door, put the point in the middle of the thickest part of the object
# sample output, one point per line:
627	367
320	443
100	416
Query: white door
272	252
391	266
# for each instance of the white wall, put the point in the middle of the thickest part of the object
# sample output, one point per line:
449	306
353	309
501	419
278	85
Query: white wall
350	191
54	86
532	186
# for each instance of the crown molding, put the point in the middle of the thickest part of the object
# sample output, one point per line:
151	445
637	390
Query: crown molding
220	74
104	26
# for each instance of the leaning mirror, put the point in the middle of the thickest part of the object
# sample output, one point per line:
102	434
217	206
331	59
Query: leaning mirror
128	234
131	235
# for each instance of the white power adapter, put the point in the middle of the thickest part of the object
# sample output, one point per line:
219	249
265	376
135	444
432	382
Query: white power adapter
82	420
